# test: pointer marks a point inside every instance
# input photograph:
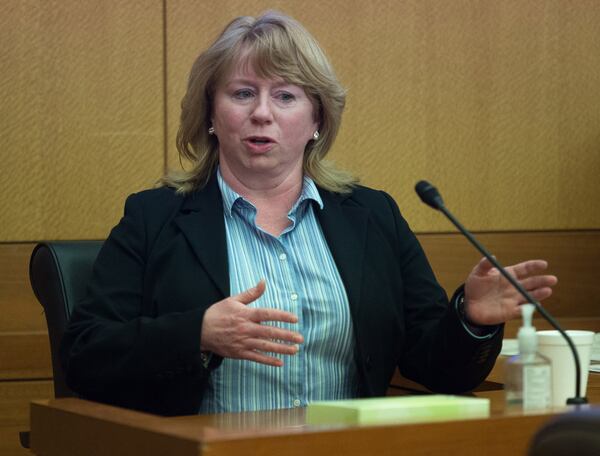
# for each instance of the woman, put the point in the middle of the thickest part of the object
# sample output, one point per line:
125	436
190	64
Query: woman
178	318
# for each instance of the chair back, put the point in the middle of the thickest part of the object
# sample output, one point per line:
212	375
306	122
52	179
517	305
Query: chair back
576	433
59	273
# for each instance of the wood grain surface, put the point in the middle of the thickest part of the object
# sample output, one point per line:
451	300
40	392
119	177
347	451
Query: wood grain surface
14	412
498	103
283	432
572	255
82	114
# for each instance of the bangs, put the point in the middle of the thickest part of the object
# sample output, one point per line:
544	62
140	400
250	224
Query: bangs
270	53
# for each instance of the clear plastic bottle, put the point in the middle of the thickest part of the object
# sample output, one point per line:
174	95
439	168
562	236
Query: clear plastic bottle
528	376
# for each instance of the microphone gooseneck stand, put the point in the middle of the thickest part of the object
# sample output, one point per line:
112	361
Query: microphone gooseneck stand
430	196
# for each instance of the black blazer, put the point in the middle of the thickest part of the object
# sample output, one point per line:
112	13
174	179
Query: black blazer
134	341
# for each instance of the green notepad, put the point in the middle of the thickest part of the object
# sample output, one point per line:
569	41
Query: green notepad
402	409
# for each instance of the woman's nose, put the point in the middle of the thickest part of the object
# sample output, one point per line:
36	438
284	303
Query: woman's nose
262	111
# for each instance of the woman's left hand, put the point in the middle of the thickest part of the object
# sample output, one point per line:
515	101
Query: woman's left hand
490	299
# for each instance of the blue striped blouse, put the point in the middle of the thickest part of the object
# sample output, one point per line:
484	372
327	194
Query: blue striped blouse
302	278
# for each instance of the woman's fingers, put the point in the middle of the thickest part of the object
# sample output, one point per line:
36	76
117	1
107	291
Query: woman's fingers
267	346
261	314
251	294
535	282
274	333
539	294
261	358
233	330
528	268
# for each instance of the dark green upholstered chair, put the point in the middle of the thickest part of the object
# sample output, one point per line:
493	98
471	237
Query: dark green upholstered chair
59	273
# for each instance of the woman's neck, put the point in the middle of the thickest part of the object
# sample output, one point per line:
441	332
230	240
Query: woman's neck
273	198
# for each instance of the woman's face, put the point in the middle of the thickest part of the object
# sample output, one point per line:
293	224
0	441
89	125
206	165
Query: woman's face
263	126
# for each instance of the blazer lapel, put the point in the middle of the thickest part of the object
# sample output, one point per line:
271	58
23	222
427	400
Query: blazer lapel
345	229
201	222
344	226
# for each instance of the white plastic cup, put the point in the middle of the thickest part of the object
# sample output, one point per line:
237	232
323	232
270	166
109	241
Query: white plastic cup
554	347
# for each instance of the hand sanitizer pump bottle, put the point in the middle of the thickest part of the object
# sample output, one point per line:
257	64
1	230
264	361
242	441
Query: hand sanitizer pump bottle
528	376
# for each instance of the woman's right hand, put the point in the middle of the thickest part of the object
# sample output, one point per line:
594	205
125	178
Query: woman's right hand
231	329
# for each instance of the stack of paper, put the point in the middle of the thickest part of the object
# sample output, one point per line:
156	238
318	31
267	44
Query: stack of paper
400	409
595	355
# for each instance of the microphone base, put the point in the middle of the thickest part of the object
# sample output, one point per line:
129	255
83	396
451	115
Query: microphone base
577	401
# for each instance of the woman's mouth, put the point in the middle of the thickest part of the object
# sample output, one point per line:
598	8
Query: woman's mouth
259	139
259	143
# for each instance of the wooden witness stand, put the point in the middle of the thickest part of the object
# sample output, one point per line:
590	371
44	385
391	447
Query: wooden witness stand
76	427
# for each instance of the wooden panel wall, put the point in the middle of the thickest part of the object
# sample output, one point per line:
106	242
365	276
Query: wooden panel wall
82	113
25	364
82	126
498	103
572	255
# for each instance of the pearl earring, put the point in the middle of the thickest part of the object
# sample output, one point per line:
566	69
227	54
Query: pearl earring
316	135
211	130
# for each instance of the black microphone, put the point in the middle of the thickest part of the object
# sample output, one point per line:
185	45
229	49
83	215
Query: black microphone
430	196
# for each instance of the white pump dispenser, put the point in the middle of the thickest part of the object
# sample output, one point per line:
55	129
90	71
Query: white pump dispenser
528	374
527	336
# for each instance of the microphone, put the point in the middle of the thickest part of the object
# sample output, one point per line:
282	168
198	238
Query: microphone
430	196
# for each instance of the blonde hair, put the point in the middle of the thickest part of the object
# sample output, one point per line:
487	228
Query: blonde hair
275	45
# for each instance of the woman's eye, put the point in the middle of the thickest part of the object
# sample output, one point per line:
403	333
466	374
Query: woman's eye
242	94
286	97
